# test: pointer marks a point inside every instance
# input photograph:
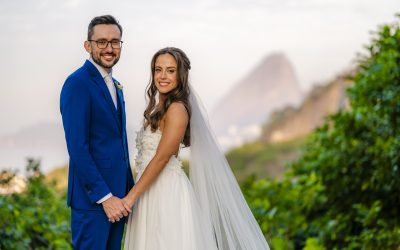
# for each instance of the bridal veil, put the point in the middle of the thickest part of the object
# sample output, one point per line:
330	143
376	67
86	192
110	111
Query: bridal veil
216	188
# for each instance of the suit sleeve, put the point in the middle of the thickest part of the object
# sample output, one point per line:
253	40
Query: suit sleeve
75	110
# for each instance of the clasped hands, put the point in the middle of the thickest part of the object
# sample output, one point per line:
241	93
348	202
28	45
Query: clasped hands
116	208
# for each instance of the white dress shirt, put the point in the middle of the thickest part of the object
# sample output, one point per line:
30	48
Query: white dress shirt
108	80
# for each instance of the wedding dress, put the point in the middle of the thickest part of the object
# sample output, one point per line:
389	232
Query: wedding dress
208	212
167	216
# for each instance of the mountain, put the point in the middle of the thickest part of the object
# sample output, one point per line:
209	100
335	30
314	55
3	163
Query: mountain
269	86
285	133
291	123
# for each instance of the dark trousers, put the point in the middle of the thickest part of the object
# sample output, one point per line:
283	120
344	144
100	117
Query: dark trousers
92	230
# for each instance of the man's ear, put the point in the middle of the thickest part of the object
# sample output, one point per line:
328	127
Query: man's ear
87	46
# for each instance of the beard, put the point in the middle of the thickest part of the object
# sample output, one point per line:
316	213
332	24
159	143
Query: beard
97	60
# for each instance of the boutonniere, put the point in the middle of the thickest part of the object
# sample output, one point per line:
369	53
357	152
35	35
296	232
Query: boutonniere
118	85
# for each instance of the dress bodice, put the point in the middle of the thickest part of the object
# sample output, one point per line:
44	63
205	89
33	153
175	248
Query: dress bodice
146	144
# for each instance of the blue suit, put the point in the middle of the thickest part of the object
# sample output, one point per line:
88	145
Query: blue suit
95	132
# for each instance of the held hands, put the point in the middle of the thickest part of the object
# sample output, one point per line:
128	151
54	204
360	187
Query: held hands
116	208
130	199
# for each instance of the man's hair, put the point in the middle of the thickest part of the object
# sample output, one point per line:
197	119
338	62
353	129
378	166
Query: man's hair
106	19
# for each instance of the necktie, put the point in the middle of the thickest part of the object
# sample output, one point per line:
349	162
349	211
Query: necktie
111	88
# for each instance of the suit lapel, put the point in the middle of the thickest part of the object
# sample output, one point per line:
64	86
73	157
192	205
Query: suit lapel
122	106
104	90
123	120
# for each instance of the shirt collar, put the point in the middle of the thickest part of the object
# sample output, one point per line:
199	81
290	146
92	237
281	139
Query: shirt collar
102	71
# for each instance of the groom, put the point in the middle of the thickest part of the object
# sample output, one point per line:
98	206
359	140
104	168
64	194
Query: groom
93	114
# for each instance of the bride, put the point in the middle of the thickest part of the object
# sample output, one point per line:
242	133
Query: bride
169	211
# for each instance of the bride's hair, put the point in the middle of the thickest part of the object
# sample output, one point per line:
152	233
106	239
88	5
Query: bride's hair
154	113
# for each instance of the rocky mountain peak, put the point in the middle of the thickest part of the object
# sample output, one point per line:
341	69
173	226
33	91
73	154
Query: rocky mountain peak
271	85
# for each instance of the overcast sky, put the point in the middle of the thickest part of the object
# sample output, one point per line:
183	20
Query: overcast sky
42	43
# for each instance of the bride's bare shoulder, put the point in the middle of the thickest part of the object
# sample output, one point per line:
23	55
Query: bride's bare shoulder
177	114
177	109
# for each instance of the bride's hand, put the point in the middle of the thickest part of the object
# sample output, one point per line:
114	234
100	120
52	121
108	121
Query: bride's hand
129	201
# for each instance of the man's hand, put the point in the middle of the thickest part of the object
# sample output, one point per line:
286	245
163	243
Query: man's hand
116	208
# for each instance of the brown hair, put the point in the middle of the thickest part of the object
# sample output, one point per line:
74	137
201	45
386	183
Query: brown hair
153	114
106	19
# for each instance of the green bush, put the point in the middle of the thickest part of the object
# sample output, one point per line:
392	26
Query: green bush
344	191
38	218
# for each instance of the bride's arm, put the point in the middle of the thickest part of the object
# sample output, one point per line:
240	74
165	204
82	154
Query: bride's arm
176	120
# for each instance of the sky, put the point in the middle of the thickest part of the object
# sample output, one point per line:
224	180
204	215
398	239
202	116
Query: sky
42	43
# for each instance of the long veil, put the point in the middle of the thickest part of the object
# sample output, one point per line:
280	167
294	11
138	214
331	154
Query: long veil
216	187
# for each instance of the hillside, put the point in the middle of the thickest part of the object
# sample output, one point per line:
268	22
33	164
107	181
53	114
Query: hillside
290	123
58	177
285	133
264	160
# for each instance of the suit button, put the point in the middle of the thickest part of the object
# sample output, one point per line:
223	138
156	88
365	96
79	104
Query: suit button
87	189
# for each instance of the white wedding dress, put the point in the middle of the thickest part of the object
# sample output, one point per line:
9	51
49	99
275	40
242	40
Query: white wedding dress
167	216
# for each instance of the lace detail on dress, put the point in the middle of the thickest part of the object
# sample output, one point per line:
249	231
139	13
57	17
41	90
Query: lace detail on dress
146	144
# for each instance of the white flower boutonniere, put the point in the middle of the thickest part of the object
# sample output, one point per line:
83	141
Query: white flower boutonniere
118	85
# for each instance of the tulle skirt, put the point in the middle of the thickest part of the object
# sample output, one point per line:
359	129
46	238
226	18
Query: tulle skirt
168	217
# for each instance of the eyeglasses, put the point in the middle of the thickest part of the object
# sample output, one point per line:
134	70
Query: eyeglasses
102	44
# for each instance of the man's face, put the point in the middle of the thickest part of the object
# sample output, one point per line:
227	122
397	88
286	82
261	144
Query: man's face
108	56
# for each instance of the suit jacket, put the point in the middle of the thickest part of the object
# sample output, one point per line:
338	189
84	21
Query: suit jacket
96	138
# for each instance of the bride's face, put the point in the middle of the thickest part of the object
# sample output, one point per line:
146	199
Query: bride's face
165	71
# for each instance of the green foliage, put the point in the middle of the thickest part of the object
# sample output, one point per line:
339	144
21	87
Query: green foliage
313	244
344	191
38	218
281	209
357	155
